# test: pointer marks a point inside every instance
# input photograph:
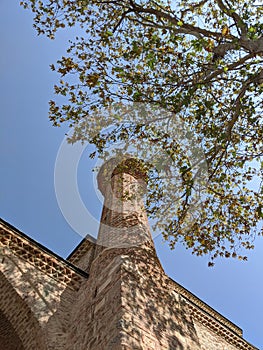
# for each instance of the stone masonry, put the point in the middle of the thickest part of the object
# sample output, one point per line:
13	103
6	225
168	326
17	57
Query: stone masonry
110	294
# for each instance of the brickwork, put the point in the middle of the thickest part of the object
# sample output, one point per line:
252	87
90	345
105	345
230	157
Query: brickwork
83	255
19	315
111	294
124	221
38	256
182	323
209	339
9	340
98	309
35	297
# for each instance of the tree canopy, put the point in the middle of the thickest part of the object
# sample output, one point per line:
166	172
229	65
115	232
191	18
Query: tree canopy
182	62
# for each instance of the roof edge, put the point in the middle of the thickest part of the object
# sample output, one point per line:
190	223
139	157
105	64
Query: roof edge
28	246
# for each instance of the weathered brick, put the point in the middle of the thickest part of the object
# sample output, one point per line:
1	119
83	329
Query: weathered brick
125	302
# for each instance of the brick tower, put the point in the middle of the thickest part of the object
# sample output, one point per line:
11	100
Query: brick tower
108	295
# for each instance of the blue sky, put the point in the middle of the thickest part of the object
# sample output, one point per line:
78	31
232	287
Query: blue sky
28	149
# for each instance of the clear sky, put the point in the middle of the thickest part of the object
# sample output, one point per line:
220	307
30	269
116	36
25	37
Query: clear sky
28	149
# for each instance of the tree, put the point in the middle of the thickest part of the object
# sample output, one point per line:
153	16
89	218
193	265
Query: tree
201	61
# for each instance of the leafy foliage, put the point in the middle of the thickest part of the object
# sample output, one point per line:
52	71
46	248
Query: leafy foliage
199	60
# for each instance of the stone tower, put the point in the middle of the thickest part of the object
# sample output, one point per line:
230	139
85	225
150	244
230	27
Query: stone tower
110	294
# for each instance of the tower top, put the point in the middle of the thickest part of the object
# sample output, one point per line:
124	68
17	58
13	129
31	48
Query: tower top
124	223
115	166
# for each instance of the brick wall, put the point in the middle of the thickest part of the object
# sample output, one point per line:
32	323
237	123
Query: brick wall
126	302
35	298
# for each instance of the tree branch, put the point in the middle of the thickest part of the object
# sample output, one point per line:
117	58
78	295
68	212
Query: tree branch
256	80
184	28
240	24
